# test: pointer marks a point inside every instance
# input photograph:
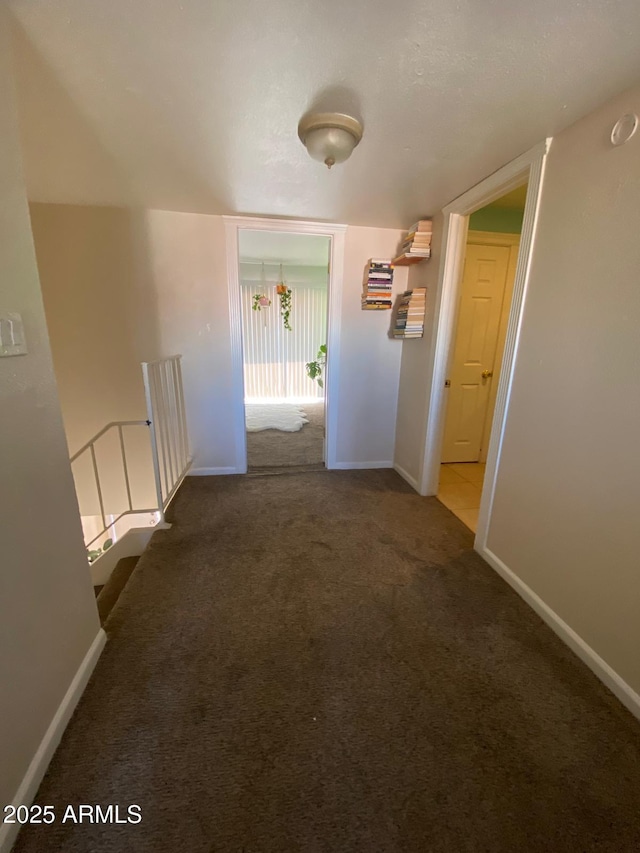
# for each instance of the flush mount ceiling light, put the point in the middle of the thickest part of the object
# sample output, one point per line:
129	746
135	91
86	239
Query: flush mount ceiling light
329	137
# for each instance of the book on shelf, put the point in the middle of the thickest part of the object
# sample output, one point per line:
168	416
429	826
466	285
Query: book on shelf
409	318
416	244
418	239
419	236
412	244
377	285
422	225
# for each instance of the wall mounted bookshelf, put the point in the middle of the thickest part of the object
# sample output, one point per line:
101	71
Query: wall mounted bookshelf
416	245
409	318
377	285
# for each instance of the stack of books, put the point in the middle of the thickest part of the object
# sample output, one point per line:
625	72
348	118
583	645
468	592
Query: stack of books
416	246
409	320
378	283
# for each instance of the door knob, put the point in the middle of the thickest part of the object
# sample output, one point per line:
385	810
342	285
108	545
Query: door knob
487	374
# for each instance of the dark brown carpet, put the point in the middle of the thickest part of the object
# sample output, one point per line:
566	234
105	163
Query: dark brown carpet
111	591
272	448
320	663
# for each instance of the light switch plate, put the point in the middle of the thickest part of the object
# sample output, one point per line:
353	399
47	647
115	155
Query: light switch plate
12	340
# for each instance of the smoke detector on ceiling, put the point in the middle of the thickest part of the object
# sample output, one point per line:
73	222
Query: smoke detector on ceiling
329	137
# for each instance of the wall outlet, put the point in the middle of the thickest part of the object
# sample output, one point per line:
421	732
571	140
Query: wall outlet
12	340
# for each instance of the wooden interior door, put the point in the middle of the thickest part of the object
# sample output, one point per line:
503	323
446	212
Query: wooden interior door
476	350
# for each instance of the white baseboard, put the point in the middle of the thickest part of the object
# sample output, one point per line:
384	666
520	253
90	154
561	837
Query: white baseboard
407	476
211	472
351	466
36	770
609	677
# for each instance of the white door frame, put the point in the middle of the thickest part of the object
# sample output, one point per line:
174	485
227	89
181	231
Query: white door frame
529	167
336	233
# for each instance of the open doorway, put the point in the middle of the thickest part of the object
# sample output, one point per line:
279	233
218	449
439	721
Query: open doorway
284	290
482	317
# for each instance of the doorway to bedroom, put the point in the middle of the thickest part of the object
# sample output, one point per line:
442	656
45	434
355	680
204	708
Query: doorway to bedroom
284	288
484	306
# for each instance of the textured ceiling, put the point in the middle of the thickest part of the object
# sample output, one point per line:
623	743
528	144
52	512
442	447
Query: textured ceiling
193	104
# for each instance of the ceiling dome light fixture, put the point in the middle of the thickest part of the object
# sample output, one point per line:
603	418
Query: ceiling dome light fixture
329	137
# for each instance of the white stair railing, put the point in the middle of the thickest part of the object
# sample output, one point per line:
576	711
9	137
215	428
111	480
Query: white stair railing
167	417
167	428
109	520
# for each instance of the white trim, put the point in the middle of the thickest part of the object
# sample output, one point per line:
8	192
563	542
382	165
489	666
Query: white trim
528	167
212	472
505	382
37	768
609	677
336	232
407	476
235	334
499	183
453	241
291	226
352	466
332	369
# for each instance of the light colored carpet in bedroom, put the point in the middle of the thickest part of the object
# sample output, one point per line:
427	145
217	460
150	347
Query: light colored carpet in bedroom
272	448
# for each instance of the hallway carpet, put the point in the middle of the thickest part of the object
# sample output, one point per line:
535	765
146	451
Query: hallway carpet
320	663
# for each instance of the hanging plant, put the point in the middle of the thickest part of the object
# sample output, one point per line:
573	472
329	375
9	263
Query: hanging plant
284	293
260	301
314	368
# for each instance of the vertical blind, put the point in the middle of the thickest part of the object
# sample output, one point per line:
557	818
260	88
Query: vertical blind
274	358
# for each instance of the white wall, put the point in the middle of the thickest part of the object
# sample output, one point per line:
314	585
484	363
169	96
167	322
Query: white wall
369	359
567	503
48	617
415	379
188	280
123	286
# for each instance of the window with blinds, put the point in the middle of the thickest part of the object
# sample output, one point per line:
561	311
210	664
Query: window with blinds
274	358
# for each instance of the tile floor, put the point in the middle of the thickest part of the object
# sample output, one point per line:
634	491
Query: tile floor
460	490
